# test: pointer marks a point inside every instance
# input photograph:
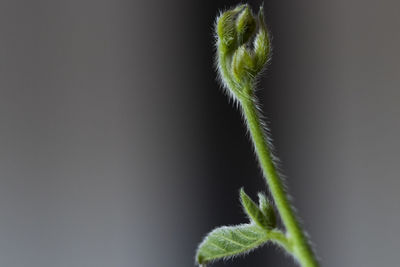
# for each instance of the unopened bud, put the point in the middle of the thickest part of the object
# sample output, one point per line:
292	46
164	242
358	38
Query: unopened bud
261	43
242	64
268	210
226	29
245	25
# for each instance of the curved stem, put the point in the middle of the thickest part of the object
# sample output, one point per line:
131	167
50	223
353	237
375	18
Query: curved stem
301	248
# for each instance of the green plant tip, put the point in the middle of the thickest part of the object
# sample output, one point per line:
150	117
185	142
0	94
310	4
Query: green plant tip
243	49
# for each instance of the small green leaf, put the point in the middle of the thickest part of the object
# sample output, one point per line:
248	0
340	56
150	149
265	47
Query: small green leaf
253	211
228	241
268	210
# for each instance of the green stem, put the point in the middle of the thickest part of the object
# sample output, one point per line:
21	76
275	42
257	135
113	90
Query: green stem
280	238
301	248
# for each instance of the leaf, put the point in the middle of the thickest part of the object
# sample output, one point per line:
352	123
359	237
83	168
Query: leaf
253	211
228	241
268	210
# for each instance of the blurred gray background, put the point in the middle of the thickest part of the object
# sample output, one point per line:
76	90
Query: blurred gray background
118	147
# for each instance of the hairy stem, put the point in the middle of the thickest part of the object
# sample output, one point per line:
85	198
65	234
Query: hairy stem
280	238
301	248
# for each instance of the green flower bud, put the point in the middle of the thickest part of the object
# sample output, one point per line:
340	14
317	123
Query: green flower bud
242	64
268	210
261	43
226	29
245	25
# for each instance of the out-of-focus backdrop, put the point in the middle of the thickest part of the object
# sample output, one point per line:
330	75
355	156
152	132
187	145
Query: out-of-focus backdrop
118	147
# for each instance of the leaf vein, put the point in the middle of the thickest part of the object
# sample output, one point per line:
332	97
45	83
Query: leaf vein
218	246
246	236
231	240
